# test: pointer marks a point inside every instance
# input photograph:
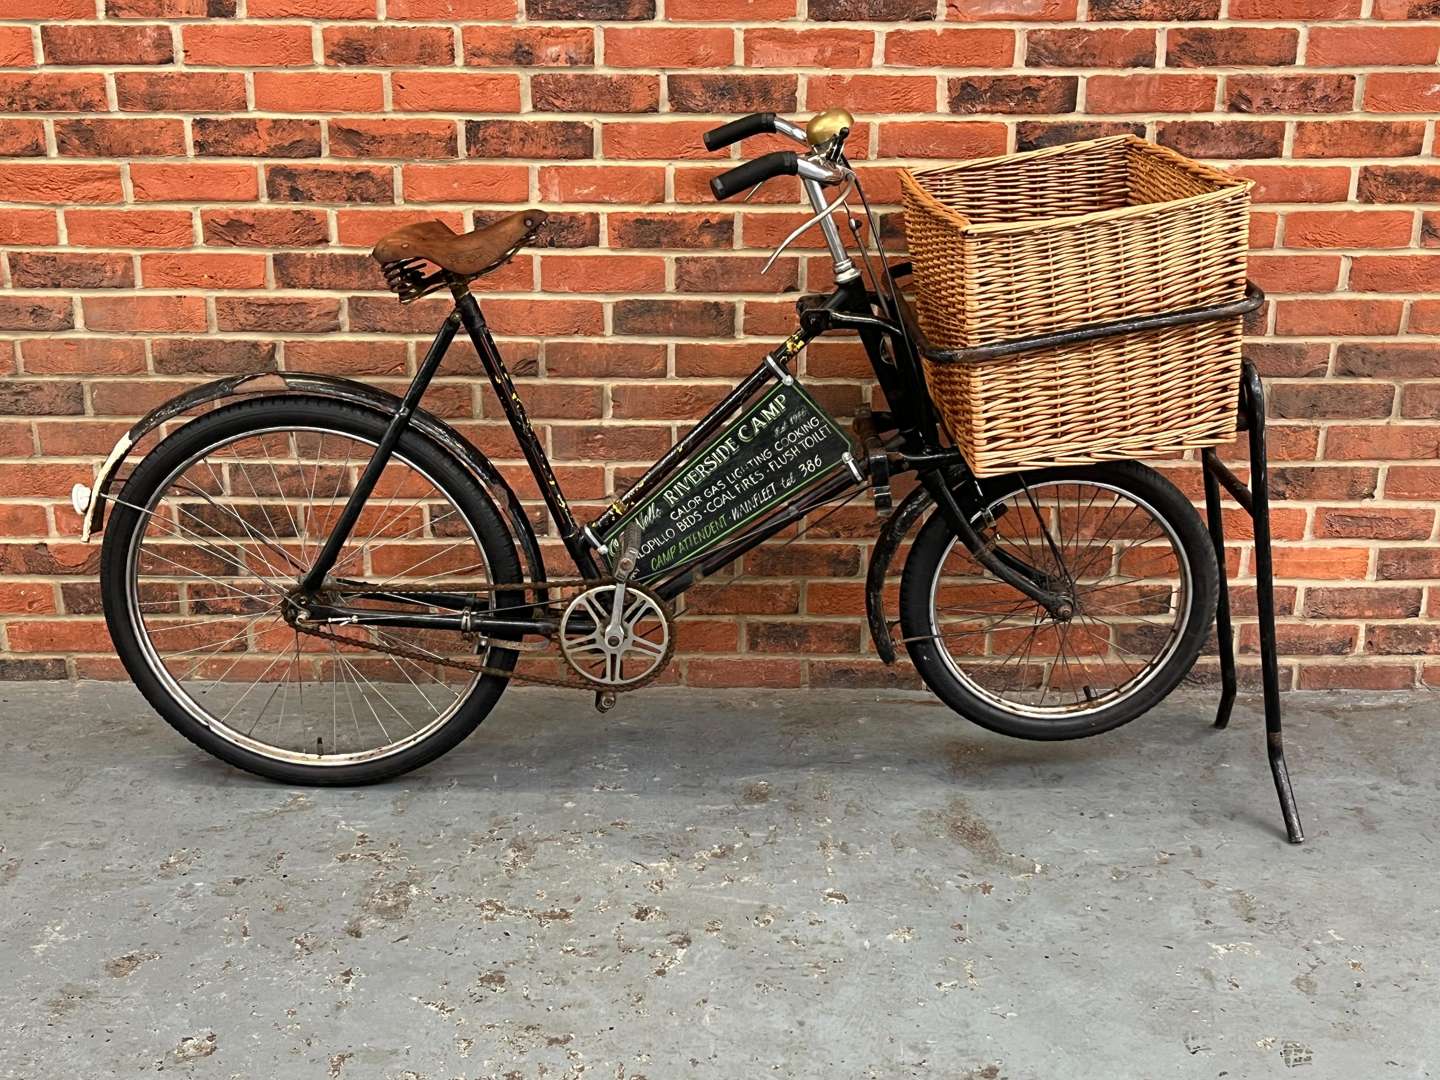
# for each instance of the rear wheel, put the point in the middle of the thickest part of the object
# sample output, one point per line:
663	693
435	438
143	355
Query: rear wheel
215	528
1129	550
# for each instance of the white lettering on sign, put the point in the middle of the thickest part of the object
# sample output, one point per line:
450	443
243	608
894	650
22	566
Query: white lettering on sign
782	444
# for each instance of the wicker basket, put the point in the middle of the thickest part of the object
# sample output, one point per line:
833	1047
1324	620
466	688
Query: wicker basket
1071	236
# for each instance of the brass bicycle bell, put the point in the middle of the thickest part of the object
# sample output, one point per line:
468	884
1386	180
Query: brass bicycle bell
824	126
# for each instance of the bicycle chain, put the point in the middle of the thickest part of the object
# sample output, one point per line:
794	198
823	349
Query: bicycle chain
484	669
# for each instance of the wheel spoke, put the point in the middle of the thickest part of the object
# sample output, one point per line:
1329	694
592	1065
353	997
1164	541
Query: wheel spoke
396	660
310	495
209	648
258	679
280	493
418	648
355	677
212	580
390	540
168	628
179	532
371	546
254	491
1045	532
262	540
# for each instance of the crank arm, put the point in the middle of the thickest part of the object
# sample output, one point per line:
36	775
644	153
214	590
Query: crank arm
624	569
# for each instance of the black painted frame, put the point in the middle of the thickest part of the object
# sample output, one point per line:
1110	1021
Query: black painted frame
849	306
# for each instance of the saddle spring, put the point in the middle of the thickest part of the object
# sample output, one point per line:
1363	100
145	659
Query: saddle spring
405	280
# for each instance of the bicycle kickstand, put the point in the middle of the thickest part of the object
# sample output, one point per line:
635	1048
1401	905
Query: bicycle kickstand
1255	501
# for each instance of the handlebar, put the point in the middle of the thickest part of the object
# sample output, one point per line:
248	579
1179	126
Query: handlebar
760	123
749	173
823	128
822	164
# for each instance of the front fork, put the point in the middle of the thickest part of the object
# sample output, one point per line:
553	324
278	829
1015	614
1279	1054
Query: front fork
1018	575
1026	578
936	468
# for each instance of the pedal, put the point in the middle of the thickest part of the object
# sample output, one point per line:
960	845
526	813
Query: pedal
604	700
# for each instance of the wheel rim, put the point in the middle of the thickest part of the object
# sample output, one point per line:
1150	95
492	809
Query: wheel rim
237	533
1125	568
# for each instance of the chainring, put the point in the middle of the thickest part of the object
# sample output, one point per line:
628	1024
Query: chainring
587	638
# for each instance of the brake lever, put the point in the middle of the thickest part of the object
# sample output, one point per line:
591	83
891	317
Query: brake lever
819	215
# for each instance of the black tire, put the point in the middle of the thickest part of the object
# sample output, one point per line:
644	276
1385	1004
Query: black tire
213	429
931	546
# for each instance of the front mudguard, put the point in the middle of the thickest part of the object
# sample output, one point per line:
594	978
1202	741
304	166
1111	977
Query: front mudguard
90	501
896	529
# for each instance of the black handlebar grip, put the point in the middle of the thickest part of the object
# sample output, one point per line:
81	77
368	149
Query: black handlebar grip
747	174
760	123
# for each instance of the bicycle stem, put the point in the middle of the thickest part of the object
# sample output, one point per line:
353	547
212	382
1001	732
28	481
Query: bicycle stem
844	268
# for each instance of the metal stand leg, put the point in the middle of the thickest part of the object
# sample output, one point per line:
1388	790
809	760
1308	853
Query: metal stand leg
1224	634
1256	501
1253	401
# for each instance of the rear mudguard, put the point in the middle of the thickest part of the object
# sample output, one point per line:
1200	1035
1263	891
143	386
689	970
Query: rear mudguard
891	537
90	501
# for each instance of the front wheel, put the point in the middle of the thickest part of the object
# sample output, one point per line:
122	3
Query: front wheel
1137	563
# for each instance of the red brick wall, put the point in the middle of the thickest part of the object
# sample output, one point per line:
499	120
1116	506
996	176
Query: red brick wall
191	186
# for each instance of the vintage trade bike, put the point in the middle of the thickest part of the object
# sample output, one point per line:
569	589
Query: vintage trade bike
323	583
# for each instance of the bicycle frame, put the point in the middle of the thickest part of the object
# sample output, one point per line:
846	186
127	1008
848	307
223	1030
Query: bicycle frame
582	540
915	445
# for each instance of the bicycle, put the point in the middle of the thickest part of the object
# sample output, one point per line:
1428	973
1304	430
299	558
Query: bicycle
323	583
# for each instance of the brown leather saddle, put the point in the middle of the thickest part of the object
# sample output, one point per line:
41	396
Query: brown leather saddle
403	252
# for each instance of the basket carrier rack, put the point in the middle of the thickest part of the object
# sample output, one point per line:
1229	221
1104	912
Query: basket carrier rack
1254	499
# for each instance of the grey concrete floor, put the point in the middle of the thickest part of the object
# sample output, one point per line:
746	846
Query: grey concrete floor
725	885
